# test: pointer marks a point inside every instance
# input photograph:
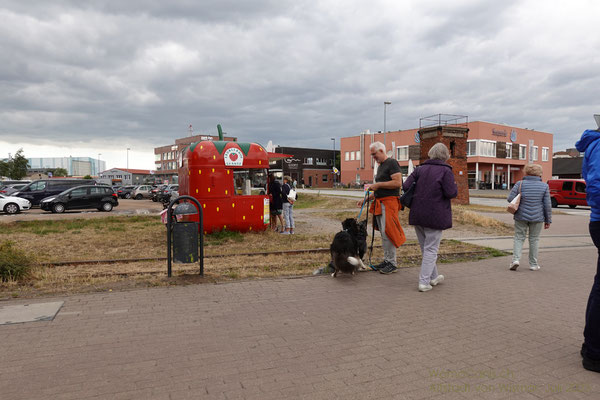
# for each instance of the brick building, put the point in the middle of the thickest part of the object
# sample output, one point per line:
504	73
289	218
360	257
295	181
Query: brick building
166	158
311	167
496	153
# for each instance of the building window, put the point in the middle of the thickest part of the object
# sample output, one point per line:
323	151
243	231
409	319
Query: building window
488	148
471	148
534	153
522	151
351	156
321	161
358	156
545	152
402	153
308	161
347	156
508	150
157	157
325	178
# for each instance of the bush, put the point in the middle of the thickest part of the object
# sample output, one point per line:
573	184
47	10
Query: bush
14	263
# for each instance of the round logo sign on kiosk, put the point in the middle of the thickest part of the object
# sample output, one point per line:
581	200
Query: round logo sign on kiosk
233	157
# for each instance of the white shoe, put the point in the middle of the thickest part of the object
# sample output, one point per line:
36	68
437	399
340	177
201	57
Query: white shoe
424	288
514	265
534	267
436	281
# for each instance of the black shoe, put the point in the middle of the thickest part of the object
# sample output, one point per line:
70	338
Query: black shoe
591	365
389	268
379	266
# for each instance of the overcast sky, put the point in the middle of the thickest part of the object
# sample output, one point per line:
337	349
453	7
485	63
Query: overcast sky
86	77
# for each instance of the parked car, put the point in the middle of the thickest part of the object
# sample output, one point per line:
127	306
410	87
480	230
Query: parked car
142	191
37	190
156	192
569	192
10	189
100	197
13	205
125	192
7	182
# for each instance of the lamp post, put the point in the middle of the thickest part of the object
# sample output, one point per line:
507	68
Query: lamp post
333	161
385	104
128	157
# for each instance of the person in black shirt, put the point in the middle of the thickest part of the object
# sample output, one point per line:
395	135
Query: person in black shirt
385	207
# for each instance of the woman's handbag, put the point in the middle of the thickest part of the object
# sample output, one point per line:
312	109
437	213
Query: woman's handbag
513	206
292	196
407	196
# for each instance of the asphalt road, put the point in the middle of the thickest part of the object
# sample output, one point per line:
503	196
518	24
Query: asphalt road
125	207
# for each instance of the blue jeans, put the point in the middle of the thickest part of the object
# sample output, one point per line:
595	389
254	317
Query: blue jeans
591	332
521	228
288	215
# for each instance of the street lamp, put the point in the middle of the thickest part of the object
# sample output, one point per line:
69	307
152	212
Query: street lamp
98	166
128	157
333	161
385	104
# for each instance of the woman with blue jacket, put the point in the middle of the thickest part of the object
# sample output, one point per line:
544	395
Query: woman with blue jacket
590	144
534	211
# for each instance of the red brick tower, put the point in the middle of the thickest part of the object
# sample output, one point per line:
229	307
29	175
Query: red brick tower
453	131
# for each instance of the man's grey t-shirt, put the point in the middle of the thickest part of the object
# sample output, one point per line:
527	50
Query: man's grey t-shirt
384	174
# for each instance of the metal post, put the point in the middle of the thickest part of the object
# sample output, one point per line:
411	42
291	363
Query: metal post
385	103
98	166
333	169
128	157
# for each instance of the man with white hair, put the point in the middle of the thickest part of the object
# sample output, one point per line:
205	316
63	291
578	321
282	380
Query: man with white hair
386	192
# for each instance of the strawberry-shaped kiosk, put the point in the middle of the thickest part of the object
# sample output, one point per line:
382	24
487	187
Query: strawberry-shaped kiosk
228	179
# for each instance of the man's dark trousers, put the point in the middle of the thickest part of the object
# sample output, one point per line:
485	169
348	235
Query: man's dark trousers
591	333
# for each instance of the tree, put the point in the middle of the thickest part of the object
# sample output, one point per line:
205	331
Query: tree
15	167
4	170
60	172
87	177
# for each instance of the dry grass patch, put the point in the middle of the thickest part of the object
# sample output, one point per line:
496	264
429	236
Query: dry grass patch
132	237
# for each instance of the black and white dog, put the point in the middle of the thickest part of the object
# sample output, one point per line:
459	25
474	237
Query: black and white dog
349	247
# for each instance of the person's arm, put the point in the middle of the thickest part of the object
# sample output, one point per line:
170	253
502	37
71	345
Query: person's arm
449	186
395	183
513	192
411	178
547	209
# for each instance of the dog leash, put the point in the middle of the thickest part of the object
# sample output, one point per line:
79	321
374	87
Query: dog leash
372	233
363	204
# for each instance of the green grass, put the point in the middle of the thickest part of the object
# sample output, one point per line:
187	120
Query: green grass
43	228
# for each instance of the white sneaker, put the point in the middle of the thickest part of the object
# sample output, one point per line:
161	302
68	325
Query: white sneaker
436	281
514	265
534	267
424	288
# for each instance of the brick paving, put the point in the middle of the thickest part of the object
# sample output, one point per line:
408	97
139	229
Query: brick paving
484	333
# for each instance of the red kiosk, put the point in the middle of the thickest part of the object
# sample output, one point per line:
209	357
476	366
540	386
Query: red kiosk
229	181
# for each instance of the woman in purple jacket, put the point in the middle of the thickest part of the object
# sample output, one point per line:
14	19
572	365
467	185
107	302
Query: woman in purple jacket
431	211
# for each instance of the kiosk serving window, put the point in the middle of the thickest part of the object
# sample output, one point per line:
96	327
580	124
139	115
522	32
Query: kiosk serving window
251	181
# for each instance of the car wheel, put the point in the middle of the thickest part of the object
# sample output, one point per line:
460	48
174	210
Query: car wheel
127	195
107	206
572	205
58	208
139	197
554	202
11	208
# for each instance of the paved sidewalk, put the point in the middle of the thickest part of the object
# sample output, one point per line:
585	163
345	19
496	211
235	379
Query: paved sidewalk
484	333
